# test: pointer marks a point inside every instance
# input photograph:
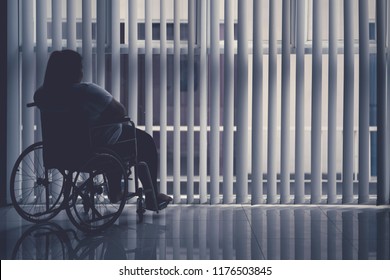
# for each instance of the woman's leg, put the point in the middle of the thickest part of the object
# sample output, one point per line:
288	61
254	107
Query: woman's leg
146	152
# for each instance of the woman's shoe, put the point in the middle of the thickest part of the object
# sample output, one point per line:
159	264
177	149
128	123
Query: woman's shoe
162	202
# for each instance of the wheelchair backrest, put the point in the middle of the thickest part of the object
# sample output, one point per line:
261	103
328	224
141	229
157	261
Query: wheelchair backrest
66	140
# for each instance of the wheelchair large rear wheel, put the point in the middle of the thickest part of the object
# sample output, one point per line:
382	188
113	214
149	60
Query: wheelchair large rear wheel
36	192
99	193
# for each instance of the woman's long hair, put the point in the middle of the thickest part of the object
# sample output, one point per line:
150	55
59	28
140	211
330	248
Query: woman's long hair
63	70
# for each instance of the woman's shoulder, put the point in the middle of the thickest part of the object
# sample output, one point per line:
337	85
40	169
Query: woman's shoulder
91	93
90	89
88	86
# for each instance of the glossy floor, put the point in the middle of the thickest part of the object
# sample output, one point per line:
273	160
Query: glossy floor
209	232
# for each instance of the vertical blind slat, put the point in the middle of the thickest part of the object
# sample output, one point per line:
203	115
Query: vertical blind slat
348	122
87	40
176	103
163	98
285	133
56	25
383	190
191	101
13	96
332	103
115	49
364	102
242	104
148	68
71	25
133	60
101	43
41	40
228	112
214	102
257	104
272	109
299	191
41	55
388	97
203	105
28	82
316	125
132	105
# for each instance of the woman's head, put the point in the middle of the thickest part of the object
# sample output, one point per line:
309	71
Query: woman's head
64	68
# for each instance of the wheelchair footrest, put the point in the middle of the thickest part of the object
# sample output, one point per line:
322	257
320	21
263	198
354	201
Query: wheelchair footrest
163	205
160	206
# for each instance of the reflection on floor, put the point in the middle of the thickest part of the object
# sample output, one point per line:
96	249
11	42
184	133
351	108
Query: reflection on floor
209	232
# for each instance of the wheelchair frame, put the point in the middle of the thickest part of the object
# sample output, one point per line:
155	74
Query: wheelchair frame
40	191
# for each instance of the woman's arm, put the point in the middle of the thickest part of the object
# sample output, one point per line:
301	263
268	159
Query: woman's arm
113	112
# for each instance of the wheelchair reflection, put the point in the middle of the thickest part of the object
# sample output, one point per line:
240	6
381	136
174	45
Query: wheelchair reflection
49	241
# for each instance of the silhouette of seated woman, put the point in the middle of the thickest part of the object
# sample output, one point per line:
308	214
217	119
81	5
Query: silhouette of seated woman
62	88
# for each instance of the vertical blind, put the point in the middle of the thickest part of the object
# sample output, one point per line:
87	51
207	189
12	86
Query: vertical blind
243	97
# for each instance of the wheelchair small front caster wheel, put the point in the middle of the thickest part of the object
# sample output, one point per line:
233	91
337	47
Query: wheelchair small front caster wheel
140	209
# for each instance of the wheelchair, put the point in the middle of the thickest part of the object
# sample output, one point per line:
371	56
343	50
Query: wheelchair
68	171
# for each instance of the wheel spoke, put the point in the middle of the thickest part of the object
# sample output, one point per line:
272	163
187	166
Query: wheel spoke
96	212
35	192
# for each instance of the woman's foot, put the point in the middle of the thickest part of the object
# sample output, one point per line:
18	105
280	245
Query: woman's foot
162	201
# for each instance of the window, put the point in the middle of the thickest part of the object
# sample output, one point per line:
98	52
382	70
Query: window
121	51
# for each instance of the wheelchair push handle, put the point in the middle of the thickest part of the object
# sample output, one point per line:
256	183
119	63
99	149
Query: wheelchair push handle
32	104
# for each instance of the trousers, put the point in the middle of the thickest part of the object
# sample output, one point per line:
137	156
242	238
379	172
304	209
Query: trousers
146	152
